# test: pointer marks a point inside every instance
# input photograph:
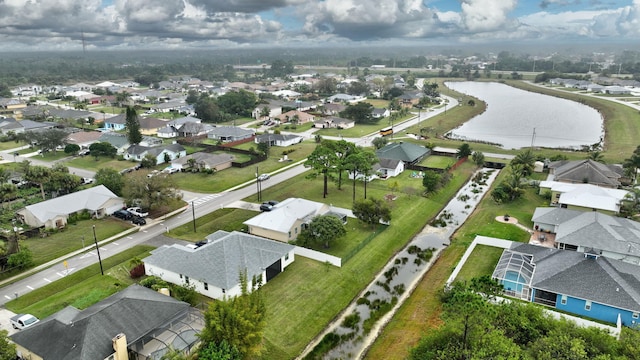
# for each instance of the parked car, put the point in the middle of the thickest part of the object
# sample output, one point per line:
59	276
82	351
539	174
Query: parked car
263	177
266	207
272	202
137	220
137	211
22	321
123	214
86	181
170	170
84	152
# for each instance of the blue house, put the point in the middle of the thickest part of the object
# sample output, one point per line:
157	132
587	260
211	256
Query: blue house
579	283
116	123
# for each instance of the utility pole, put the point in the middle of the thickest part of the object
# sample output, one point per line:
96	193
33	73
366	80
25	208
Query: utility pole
193	213
533	137
95	240
258	185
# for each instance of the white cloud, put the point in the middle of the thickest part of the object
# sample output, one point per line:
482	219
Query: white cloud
486	15
57	24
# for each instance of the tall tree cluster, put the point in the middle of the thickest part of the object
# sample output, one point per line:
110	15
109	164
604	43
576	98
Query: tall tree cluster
331	158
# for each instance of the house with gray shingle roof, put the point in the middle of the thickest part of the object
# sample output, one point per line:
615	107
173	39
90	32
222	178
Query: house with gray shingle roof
136	322
54	213
10	125
586	172
229	133
583	284
591	232
172	151
409	153
118	141
213	269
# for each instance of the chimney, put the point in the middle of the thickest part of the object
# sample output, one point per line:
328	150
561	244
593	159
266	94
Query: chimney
120	347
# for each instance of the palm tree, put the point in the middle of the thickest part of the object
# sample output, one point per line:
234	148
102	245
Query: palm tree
527	162
596	156
8	192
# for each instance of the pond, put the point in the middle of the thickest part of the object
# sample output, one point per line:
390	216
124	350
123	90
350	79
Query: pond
516	118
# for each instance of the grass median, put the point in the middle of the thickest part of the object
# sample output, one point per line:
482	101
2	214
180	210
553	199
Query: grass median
82	288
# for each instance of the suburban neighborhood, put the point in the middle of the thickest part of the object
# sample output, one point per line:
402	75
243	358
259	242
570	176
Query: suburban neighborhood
303	214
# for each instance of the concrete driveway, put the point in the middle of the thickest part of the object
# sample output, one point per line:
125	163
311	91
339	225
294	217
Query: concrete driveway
5	324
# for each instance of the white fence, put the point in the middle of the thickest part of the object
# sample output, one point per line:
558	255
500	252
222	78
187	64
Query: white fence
318	256
481	240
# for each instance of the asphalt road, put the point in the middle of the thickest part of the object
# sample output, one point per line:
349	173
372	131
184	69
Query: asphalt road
151	233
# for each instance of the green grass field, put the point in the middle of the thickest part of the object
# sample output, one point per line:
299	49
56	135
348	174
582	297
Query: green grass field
82	288
438	162
71	238
6	145
90	163
482	261
222	180
308	284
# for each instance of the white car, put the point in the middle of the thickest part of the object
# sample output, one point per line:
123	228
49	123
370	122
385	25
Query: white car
263	177
170	170
137	211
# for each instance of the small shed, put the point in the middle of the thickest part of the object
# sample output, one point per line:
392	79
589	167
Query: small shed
538	166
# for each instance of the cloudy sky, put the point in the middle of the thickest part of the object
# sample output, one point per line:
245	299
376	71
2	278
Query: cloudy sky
166	24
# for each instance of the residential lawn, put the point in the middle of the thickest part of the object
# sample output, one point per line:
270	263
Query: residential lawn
70	239
483	220
222	180
308	284
52	155
312	190
378	103
482	261
438	162
90	163
296	128
6	145
166	115
26	151
191	149
238	121
82	288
